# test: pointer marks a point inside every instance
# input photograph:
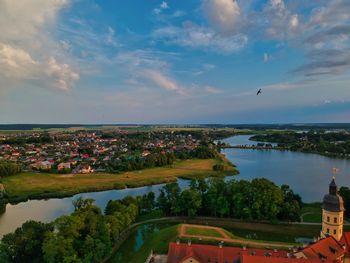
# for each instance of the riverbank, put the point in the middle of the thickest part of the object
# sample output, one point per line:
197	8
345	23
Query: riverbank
43	185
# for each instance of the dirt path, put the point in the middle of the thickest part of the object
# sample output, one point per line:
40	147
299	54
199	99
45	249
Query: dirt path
226	238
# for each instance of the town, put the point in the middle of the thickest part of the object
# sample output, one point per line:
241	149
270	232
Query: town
86	152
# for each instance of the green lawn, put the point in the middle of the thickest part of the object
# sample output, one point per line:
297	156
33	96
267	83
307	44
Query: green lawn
43	185
197	231
312	213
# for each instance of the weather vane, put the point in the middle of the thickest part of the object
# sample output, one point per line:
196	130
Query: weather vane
335	171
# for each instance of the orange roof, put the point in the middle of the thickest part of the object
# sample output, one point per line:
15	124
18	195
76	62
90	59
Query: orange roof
345	240
203	253
262	259
328	248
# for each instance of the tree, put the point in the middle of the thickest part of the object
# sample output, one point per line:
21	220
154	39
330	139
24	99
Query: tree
190	202
345	193
82	203
24	245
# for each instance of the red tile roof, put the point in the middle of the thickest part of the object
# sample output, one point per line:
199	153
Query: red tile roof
328	248
345	240
204	253
262	259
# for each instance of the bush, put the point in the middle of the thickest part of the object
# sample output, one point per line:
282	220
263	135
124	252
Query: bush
218	167
9	168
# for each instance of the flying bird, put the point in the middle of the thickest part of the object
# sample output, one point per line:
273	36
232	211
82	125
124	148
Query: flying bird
259	91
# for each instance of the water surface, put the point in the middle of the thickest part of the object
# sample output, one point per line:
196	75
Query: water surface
307	174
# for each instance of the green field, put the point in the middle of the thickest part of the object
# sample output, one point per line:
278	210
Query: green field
43	185
312	213
197	231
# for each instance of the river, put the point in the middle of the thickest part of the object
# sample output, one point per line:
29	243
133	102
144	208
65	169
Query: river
307	174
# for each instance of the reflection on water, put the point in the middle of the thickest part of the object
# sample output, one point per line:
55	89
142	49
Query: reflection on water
307	174
135	241
2	208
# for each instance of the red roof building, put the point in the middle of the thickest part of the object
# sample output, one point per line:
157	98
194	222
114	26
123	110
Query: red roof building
194	253
262	259
327	250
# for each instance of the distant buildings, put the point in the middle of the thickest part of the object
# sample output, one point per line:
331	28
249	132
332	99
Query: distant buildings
86	169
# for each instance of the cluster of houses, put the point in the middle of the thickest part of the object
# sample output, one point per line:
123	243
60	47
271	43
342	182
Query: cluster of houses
86	152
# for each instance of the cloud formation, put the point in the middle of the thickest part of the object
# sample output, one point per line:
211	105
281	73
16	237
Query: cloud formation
193	36
164	81
27	49
222	14
164	5
15	62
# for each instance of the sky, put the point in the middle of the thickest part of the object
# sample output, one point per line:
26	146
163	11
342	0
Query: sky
183	62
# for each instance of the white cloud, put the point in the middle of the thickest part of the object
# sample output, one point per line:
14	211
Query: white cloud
279	22
266	57
164	5
15	62
23	20
294	22
62	74
193	36
27	45
164	81
212	90
222	14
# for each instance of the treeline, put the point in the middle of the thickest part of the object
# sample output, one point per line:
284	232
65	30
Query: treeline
139	163
44	138
345	193
87	235
9	168
334	143
158	159
259	199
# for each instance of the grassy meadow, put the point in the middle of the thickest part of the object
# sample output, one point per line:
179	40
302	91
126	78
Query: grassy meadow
31	185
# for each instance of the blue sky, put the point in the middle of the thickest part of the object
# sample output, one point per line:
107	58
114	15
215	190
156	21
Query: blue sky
193	61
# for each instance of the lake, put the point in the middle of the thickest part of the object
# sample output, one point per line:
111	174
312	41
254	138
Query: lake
307	174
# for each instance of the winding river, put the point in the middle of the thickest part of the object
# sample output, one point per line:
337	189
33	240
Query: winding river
307	174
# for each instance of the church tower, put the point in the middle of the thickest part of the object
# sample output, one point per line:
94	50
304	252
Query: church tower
332	213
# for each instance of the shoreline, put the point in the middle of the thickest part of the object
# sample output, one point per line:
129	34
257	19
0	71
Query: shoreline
106	182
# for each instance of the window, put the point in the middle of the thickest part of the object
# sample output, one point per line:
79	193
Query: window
327	230
328	219
334	231
335	220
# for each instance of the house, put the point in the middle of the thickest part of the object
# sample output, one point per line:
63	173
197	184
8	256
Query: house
196	253
145	153
86	169
327	249
45	165
63	166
